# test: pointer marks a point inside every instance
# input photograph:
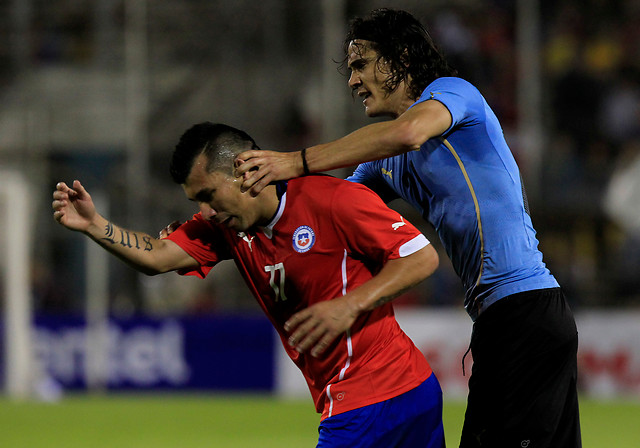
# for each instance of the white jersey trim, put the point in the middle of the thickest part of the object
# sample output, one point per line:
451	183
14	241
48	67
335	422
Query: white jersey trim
349	342
268	230
414	245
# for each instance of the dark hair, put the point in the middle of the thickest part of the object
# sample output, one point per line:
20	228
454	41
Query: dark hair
405	44
219	142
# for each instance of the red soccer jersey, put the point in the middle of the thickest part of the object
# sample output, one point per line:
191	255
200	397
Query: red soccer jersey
328	237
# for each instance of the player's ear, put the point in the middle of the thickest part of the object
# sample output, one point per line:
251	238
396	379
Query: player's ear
405	58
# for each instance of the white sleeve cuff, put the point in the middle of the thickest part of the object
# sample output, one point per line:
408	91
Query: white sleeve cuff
413	245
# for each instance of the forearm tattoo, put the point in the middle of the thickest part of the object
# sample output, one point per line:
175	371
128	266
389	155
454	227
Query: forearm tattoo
382	300
126	238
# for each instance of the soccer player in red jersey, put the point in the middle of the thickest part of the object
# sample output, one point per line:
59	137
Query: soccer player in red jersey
298	244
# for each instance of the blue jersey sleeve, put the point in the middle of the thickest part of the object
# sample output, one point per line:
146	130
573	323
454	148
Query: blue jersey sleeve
368	174
465	103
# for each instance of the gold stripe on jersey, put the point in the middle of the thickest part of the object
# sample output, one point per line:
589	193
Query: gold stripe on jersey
475	203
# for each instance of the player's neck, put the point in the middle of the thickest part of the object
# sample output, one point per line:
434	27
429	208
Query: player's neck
268	203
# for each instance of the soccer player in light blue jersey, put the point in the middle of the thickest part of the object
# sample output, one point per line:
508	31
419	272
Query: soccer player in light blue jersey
444	152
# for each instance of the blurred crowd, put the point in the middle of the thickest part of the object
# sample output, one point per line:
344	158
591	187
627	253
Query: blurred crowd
583	210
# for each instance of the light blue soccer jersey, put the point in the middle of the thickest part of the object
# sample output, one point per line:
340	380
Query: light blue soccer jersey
467	185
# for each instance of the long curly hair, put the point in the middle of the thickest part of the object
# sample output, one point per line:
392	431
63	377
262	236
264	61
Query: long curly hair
403	43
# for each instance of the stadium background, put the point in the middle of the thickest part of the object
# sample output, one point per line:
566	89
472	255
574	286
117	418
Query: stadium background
100	90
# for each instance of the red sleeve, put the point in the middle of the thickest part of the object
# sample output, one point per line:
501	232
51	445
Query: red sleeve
204	242
372	229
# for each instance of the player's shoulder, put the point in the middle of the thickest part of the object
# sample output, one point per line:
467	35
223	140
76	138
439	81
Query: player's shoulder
450	81
449	84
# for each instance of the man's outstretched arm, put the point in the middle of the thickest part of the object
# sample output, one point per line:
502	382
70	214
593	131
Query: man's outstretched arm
373	142
74	209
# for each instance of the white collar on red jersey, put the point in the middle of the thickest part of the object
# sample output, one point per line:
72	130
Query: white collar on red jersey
268	229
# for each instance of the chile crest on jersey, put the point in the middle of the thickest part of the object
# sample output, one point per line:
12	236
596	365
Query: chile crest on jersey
303	239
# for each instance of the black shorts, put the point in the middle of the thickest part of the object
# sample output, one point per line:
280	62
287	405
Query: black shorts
522	389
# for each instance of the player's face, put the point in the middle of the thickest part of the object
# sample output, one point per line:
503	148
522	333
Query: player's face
220	199
368	74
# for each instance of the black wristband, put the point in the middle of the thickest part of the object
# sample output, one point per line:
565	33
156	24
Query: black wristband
305	167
